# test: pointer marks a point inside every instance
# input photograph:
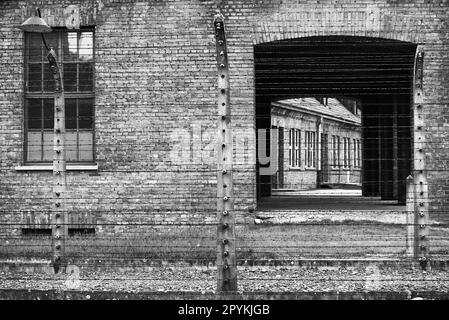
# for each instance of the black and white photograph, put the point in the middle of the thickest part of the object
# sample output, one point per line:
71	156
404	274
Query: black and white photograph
228	156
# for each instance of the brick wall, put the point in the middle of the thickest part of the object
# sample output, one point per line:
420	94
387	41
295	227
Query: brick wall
155	74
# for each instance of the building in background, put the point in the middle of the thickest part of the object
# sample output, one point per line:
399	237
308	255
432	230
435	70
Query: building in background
319	143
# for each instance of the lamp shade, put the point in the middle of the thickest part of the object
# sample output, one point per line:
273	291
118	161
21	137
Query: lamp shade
35	24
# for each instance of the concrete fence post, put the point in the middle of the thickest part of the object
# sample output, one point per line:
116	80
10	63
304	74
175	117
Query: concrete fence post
419	163
410	217
226	256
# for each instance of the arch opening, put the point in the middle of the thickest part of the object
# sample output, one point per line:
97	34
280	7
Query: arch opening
373	74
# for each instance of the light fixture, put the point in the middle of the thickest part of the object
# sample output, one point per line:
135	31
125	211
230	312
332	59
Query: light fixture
35	24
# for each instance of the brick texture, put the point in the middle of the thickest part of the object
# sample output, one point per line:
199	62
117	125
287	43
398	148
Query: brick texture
155	75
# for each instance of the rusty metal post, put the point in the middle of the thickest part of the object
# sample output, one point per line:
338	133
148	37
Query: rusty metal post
410	217
226	257
59	216
419	172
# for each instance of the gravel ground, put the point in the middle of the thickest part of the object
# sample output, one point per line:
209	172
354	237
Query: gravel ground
250	279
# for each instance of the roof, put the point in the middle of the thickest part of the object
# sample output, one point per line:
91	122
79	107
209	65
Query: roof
333	109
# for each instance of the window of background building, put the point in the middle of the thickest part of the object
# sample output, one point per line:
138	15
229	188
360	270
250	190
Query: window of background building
359	154
356	153
336	151
294	149
331	151
290	147
310	149
350	147
297	148
74	50
346	152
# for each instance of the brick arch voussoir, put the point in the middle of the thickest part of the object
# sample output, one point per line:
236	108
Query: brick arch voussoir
287	33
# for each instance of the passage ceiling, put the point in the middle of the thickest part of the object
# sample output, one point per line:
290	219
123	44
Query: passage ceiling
333	66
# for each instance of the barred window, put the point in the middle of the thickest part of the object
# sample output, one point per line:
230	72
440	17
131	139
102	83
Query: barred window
75	54
346	152
310	151
294	149
355	152
290	147
336	151
358	154
297	148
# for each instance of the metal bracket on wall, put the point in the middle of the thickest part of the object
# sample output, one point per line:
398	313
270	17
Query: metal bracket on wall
226	257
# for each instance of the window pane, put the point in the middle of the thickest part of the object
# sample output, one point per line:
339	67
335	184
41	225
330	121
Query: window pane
86	46
70	76
85	77
70	146
85	113
34	146
34	77
34	47
49	114
86	146
49	82
70	46
34	114
48	146
70	113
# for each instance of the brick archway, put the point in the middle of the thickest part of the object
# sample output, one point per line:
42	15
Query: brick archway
331	20
376	70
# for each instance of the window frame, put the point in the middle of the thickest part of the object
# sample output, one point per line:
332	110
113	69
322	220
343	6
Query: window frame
346	152
290	147
27	95
294	148
297	148
358	153
336	146
310	149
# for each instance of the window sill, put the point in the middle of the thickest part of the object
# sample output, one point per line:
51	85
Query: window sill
69	167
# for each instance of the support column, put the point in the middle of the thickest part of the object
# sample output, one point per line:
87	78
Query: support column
371	153
263	126
395	147
226	258
386	149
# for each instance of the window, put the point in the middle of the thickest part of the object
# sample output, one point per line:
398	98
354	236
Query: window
74	51
346	152
336	151
290	147
356	153
310	149
330	151
359	154
297	148
294	148
349	152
